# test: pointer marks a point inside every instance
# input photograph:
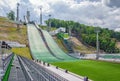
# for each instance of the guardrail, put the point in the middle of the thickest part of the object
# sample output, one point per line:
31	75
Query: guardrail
49	75
25	70
36	72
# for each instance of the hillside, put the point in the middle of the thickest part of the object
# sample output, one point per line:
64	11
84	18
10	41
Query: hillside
79	47
9	32
5	22
87	34
60	44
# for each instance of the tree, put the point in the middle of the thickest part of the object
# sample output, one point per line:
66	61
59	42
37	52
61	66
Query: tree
107	38
11	15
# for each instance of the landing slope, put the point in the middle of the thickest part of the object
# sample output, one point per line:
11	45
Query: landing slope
55	48
37	46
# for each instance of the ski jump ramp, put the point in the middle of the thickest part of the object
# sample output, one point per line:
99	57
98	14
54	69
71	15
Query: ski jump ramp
39	49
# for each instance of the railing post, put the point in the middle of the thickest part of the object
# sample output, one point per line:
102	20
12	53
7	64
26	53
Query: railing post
66	71
85	78
48	64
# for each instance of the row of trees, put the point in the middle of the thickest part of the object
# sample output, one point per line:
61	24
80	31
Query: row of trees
87	34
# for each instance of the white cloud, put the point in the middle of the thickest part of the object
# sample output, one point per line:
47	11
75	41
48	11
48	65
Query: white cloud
10	4
1	3
112	3
83	11
89	13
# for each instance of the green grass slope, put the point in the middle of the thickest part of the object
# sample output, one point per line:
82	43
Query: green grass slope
38	49
8	31
95	70
22	52
55	48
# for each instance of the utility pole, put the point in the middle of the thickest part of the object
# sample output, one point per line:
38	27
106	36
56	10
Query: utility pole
18	16
97	43
41	16
49	22
70	30
28	16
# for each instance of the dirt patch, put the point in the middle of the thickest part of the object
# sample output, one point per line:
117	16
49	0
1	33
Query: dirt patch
76	41
79	47
118	44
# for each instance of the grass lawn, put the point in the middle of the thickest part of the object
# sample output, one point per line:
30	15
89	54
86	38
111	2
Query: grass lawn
66	35
22	52
95	70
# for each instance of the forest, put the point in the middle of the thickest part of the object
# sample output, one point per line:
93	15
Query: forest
87	34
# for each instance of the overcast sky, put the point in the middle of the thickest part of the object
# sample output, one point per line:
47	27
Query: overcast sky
104	13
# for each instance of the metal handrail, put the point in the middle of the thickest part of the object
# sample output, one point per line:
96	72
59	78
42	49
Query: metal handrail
53	74
34	68
48	72
25	70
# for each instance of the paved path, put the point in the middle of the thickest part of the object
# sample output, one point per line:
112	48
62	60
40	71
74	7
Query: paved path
68	76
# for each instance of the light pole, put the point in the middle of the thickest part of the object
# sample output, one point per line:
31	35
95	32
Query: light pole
97	43
17	16
70	31
49	22
28	16
40	15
